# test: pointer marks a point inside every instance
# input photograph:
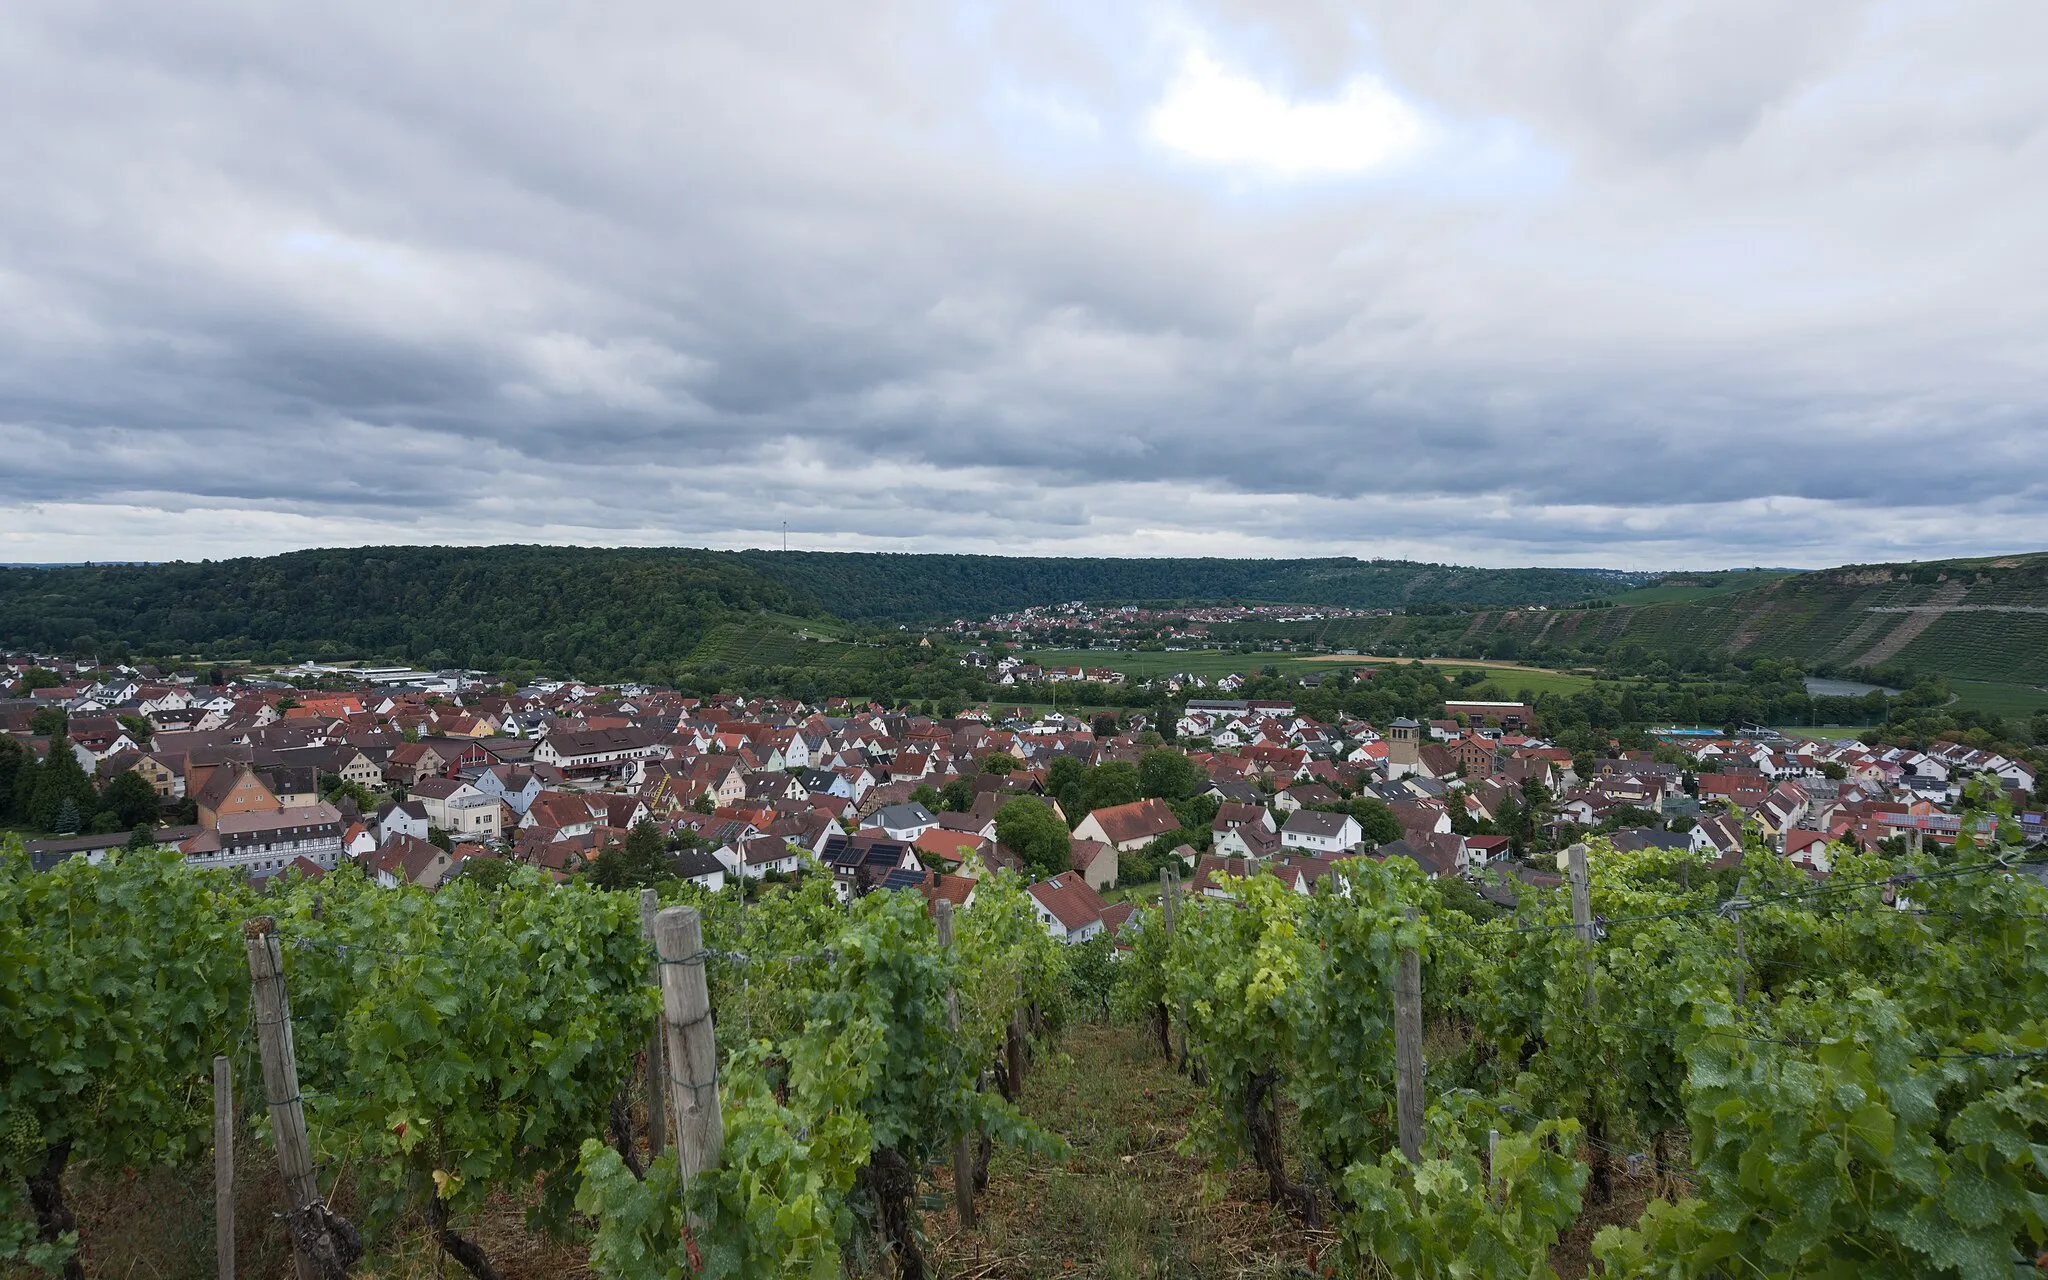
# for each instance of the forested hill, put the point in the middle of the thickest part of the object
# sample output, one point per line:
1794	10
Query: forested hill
604	612
600	610
884	586
578	610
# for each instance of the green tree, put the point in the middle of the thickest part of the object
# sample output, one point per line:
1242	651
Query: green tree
37	678
1169	775
928	796
958	795
66	822
1065	779
131	799
140	729
1031	829
1000	763
1110	784
1376	818
48	722
14	762
61	779
487	873
642	860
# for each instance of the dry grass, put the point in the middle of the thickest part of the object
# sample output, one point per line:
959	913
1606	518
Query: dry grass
1123	1204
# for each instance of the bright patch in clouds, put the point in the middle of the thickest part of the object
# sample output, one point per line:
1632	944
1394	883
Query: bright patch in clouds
1224	117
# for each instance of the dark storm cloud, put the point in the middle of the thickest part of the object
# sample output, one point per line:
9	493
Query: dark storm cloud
1667	283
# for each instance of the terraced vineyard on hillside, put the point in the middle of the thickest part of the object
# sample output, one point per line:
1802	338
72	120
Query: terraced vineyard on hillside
1979	620
777	642
1985	620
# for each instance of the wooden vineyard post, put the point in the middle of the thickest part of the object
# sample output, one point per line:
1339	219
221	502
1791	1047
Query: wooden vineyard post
224	1167
1167	895
690	1045
963	1146
1408	1051
657	1121
1582	913
322	1244
1582	926
1013	1045
1735	908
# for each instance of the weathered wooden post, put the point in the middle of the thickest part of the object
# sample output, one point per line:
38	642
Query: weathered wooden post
690	1044
1582	913
1408	1099
224	1167
657	1122
1582	926
322	1244
963	1145
1167	904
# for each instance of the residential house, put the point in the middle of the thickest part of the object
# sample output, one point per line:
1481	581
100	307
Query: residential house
402	818
1247	840
411	761
1129	827
620	752
904	822
1094	861
234	789
405	860
460	808
702	868
1069	909
1438	855
513	785
1321	832
261	843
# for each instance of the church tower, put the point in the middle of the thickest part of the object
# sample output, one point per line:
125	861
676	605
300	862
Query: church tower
1404	748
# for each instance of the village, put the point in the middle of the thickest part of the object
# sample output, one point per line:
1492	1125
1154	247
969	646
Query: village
417	778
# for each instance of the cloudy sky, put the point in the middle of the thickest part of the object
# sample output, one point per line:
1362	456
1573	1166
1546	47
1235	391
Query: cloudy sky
1641	283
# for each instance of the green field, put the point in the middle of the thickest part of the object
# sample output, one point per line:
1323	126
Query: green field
1512	680
1831	731
2014	701
1211	663
1201	662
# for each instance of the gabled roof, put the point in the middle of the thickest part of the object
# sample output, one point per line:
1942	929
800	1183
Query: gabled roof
1315	822
1069	900
1139	820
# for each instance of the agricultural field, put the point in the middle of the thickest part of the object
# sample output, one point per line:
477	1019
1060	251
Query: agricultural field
1212	663
1512	680
2013	701
1201	662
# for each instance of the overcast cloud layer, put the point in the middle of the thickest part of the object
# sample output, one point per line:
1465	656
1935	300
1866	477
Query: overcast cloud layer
1639	284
